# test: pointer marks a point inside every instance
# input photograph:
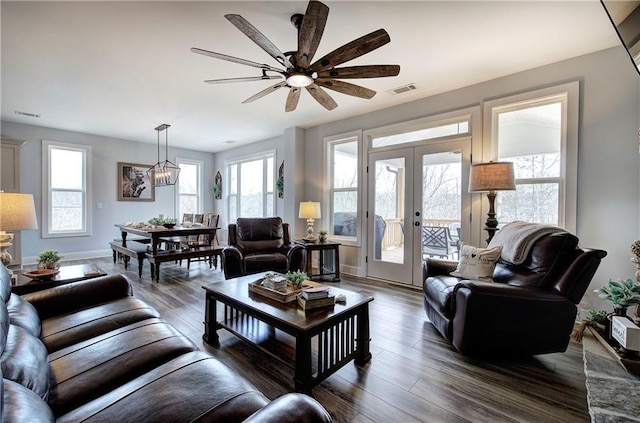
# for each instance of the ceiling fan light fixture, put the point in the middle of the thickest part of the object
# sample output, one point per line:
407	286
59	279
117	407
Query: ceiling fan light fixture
299	80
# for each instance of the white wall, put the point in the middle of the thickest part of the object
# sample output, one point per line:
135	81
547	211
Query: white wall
608	157
107	152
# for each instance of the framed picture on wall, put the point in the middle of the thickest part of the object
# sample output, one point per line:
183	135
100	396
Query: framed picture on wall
134	183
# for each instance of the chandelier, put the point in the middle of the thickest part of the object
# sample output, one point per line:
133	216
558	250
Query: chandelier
163	173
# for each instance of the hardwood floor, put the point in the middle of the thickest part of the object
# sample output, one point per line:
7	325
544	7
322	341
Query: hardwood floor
414	376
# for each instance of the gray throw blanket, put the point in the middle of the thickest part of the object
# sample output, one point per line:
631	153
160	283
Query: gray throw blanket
517	238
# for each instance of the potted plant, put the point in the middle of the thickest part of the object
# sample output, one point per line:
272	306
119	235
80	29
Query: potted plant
49	259
167	222
296	278
323	235
621	293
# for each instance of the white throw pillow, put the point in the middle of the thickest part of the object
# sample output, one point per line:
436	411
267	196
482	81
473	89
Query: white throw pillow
477	263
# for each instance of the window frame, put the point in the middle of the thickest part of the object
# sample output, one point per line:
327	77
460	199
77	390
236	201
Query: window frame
568	95
264	156
200	185
327	207
47	204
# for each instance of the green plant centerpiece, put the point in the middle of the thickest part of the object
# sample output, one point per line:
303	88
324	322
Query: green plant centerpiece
622	293
296	278
49	259
168	222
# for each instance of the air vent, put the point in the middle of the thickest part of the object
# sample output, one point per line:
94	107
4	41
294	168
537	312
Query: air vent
33	115
403	89
229	142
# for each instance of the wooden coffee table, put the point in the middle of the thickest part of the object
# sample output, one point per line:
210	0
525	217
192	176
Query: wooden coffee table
68	274
341	332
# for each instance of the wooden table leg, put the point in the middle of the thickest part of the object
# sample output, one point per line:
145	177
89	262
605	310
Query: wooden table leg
363	339
302	378
211	322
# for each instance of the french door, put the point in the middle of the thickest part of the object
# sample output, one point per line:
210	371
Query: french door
417	197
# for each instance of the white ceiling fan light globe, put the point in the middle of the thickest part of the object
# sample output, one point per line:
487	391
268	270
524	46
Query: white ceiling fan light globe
299	80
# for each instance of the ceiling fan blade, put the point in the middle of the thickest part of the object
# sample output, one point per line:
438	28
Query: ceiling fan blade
292	99
234	59
369	71
349	51
322	97
243	79
310	32
257	37
346	88
265	92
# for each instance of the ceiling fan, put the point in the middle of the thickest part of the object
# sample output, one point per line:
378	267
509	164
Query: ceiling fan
299	70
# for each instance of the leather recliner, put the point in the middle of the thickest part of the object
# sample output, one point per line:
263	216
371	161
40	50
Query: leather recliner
528	308
258	245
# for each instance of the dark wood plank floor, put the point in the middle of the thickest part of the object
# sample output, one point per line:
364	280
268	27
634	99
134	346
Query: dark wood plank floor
414	376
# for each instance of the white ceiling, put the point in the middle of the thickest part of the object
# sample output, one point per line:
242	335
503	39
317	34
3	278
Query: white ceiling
119	69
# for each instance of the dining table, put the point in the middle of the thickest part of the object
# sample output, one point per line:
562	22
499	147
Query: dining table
158	234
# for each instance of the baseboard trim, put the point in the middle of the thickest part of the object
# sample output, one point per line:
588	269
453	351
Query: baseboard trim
72	256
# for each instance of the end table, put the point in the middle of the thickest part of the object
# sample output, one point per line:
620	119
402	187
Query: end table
325	275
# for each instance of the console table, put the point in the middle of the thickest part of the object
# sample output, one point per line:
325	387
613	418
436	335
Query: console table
326	275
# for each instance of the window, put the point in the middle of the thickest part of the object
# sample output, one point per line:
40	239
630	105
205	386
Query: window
251	187
343	181
538	133
189	186
66	176
425	131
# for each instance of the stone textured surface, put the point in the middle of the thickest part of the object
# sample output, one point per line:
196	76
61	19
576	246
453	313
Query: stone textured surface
613	394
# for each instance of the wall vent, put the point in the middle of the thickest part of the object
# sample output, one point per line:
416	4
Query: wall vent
403	89
33	115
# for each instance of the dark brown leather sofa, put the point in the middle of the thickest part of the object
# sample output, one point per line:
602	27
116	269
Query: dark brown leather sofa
528	309
260	244
89	351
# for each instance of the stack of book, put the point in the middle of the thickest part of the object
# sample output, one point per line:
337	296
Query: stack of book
315	297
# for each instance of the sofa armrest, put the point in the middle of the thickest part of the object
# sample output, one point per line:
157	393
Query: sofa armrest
291	408
435	267
79	295
232	261
498	319
295	256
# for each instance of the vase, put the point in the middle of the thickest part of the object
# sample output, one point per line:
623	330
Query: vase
322	238
49	265
636	260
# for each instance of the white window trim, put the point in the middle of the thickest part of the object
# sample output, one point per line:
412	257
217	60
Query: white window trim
569	95
46	190
200	190
328	142
246	158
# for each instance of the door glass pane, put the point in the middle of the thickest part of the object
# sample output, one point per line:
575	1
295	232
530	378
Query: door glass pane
441	204
437	131
389	196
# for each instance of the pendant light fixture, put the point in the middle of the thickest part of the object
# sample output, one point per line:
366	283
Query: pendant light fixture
166	172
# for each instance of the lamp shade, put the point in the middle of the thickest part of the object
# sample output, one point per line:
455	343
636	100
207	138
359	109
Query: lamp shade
309	210
17	212
492	176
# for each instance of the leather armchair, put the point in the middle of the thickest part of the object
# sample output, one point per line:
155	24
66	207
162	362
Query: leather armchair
529	308
260	244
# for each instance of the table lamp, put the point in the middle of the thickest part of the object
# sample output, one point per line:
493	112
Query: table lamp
491	177
309	210
17	212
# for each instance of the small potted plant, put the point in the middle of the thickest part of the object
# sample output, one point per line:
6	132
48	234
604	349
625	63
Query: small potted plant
323	235
296	278
167	222
49	259
621	293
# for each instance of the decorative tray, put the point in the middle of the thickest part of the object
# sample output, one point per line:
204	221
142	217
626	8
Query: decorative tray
41	274
630	364
288	295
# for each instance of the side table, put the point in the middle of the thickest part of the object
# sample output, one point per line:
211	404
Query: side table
68	274
325	275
